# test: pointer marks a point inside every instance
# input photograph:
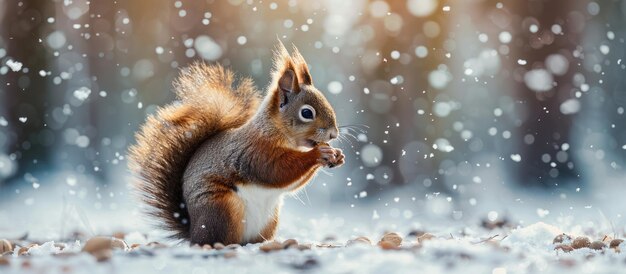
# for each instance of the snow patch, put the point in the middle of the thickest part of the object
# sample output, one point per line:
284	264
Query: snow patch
537	234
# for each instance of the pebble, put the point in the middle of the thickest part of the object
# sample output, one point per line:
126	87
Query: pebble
386	245
562	238
219	246
581	242
99	243
392	238
289	243
271	246
615	243
597	245
103	255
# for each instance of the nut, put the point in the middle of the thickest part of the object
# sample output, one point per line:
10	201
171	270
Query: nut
581	242
271	246
597	245
98	243
290	243
563	238
5	246
392	238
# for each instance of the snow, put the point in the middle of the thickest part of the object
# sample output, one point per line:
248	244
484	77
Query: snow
335	87
422	8
207	48
538	80
538	234
14	65
570	106
82	93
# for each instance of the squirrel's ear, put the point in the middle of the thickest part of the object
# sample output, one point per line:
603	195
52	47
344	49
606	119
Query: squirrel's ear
288	82
301	67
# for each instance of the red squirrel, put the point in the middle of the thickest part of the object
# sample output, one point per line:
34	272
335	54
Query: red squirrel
214	166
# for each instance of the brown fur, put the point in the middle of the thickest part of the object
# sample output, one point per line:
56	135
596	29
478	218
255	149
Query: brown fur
198	153
168	139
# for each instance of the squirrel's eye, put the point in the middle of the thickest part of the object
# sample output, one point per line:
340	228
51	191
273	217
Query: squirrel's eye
307	113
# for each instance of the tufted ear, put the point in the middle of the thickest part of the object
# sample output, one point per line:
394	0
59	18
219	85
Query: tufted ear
301	67
285	76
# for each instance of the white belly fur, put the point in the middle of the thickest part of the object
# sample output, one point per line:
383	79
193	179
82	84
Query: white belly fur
260	205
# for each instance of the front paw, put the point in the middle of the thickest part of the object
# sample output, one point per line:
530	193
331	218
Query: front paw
331	157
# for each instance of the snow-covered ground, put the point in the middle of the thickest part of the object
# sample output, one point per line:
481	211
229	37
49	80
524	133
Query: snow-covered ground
51	212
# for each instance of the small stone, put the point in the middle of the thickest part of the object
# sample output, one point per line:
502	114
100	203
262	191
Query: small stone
563	238
290	243
615	243
207	247
387	245
581	242
99	243
271	246
425	237
230	254
393	238
103	255
22	251
564	248
597	245
219	246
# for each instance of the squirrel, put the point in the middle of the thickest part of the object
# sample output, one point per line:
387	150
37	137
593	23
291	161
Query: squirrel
213	167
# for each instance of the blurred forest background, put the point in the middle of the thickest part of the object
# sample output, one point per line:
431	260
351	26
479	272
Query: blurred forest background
454	95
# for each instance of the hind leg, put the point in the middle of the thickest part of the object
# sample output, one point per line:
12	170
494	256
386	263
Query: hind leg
216	217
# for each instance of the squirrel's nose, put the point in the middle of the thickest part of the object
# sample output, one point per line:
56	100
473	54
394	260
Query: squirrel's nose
332	133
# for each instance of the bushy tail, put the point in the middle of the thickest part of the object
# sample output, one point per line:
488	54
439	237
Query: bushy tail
208	105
